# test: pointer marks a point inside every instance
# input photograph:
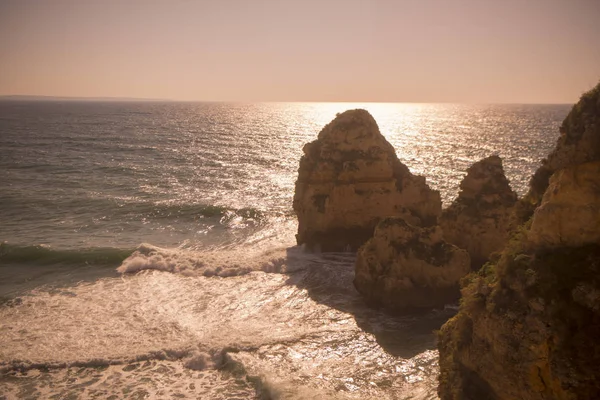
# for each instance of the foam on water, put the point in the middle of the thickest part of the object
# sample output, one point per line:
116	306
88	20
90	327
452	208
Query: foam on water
221	305
223	263
265	333
154	379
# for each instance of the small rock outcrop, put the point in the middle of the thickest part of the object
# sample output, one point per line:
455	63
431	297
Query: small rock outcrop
405	268
349	179
478	220
529	322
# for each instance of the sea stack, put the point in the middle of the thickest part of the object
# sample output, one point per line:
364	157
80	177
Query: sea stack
478	220
529	323
349	179
407	268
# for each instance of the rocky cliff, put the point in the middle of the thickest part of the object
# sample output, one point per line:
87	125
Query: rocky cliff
578	143
404	267
529	322
569	213
349	179
478	220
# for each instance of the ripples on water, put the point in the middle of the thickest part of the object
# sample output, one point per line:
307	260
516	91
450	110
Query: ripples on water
108	174
225	307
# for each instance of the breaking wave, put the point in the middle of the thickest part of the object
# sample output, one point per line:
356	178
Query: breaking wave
221	263
168	355
44	255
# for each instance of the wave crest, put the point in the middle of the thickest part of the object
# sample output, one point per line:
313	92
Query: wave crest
223	263
43	255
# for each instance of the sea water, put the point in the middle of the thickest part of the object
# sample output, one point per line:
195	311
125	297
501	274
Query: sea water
148	249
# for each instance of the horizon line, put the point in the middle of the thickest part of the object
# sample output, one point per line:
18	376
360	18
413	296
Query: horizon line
27	97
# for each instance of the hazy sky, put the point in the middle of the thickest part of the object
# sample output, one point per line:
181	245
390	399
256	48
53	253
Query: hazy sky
544	51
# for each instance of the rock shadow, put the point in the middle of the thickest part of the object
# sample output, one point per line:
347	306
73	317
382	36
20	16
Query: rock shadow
327	278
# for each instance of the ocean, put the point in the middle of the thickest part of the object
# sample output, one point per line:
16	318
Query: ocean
148	252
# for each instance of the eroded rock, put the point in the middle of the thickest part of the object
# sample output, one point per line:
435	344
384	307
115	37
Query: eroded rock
579	140
404	267
529	323
478	220
349	179
578	143
569	214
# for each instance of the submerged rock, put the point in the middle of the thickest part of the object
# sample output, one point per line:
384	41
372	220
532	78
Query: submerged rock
478	220
349	179
404	267
529	323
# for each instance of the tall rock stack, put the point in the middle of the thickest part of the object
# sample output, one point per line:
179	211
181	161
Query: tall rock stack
529	324
349	179
478	220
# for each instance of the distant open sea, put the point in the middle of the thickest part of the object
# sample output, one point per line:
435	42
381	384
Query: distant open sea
148	249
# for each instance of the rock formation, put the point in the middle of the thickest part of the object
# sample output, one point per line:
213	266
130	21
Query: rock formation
569	214
529	323
349	179
404	267
578	143
478	220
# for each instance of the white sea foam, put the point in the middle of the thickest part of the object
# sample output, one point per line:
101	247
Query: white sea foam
187	333
223	263
160	355
289	336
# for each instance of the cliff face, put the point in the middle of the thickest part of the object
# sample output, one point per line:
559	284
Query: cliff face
569	213
404	267
529	323
349	179
578	143
478	220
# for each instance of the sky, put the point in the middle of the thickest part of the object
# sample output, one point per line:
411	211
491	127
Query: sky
473	51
